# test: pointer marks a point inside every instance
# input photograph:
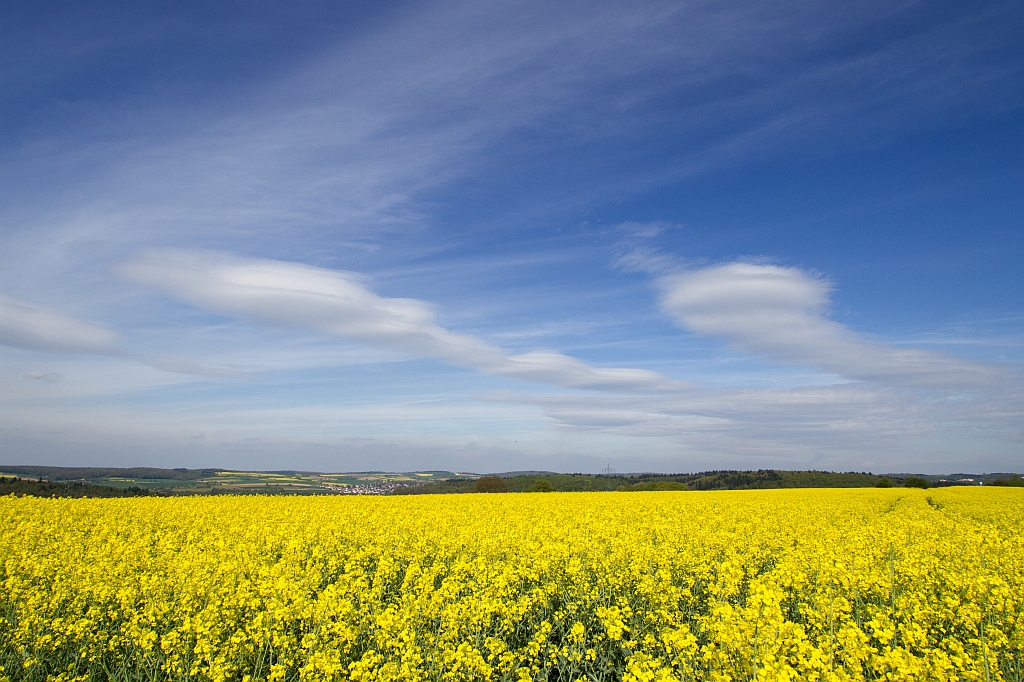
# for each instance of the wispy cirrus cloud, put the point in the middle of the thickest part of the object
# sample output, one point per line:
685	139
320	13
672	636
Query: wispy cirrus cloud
781	313
48	377
340	304
32	328
842	421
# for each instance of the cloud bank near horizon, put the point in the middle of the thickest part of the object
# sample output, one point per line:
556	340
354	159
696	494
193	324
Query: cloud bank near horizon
890	398
881	396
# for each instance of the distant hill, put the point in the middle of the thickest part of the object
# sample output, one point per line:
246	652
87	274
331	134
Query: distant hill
707	480
216	481
710	480
100	473
98	481
40	488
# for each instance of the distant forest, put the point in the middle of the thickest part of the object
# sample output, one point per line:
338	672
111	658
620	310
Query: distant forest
707	480
45	481
96	473
42	488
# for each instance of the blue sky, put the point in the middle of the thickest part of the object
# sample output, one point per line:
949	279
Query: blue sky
498	236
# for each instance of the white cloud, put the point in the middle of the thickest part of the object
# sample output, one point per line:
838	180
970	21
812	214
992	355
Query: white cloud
780	313
562	370
26	326
180	366
339	304
48	377
31	328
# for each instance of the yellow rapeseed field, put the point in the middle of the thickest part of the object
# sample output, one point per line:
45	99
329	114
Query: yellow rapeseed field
749	585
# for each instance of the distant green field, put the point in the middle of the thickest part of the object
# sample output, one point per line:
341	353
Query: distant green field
148	480
214	481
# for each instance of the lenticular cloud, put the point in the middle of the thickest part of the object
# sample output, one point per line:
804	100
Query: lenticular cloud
340	304
780	313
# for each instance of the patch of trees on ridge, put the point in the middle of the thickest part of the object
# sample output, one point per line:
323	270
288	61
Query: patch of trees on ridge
18	486
708	480
96	473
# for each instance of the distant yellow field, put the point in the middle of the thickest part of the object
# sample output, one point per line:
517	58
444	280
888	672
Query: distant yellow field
767	585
